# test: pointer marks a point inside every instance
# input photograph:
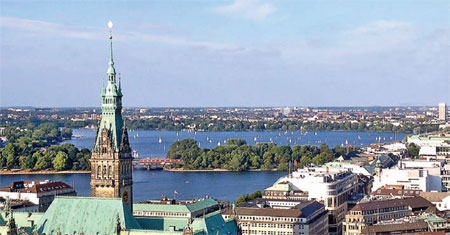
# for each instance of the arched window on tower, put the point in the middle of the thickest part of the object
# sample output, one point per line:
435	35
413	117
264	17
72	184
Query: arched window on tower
99	169
104	171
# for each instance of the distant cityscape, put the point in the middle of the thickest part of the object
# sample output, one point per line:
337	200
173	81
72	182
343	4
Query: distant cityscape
402	119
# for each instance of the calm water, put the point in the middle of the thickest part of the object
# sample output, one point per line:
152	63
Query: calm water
220	185
146	143
152	184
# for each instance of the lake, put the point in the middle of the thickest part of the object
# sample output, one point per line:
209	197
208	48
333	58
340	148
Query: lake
147	143
221	185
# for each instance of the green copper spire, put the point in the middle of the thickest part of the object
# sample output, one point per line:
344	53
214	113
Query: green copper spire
111	120
111	70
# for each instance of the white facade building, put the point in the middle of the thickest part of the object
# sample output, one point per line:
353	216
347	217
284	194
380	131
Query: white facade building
418	179
40	193
331	186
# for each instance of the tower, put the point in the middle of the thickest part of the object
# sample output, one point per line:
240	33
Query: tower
111	160
443	112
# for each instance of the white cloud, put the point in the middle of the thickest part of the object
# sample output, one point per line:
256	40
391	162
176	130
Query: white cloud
43	28
252	9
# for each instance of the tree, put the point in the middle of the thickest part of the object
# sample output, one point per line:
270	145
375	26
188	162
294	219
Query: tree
247	197
9	156
45	161
60	161
237	142
413	150
26	162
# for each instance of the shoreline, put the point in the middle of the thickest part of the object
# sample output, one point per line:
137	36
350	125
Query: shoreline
42	172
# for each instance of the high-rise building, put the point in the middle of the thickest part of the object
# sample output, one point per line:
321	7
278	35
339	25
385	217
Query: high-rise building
111	161
443	112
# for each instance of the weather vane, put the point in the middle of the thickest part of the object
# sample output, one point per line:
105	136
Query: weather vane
110	25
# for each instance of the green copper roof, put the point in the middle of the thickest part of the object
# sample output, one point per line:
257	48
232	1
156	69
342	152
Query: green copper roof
23	220
213	223
147	232
280	187
192	207
160	207
200	205
163	224
89	215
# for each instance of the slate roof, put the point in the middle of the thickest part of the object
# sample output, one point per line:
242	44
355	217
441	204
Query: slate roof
373	205
310	208
396	192
386	228
87	215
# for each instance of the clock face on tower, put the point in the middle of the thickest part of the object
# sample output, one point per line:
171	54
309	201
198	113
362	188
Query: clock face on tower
125	197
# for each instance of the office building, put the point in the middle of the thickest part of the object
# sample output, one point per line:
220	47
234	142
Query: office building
257	217
443	112
330	186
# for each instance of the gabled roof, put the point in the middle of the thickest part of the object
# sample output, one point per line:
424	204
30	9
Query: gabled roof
87	215
213	223
200	205
373	205
434	196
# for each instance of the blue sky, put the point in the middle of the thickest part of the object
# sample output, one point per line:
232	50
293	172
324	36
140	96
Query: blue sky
227	53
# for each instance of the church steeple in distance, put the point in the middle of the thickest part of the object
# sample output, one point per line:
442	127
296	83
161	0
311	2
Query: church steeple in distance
111	160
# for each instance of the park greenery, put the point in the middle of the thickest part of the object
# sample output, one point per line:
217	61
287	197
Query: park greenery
207	124
33	147
237	155
248	197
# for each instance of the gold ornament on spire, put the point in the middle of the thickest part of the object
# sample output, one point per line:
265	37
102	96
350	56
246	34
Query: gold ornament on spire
110	25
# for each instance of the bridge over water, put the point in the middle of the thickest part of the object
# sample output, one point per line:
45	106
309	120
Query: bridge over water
156	163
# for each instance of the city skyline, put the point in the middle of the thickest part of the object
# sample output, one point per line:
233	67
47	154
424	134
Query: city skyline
246	54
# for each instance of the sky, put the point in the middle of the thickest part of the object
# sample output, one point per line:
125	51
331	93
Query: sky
227	52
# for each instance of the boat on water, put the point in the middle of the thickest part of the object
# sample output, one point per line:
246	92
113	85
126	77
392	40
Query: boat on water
160	140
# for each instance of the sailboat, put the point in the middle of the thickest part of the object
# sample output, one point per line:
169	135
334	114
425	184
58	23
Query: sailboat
218	143
159	140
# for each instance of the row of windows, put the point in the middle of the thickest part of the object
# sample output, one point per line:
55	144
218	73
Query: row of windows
263	225
267	232
160	213
106	172
267	218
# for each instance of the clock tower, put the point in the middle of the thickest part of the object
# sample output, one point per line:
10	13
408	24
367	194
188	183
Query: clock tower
111	160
